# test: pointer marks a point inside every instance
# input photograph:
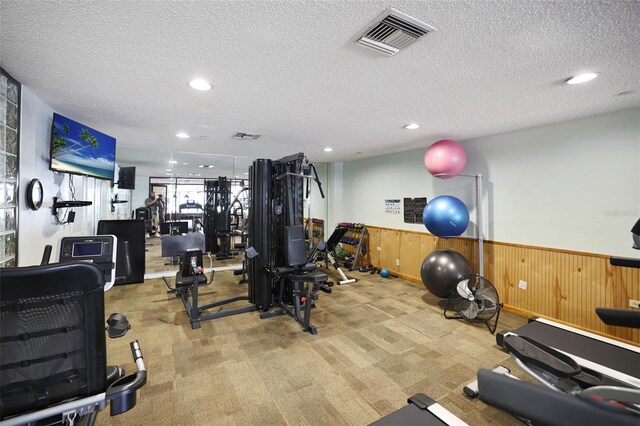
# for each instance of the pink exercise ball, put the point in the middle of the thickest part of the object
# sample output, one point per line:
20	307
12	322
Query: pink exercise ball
445	159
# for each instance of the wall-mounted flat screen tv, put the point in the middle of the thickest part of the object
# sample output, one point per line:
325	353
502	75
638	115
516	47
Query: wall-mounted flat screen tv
81	150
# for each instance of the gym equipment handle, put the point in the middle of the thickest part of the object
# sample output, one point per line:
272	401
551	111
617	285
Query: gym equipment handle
123	392
619	317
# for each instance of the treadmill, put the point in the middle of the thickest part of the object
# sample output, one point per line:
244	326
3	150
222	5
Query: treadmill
618	362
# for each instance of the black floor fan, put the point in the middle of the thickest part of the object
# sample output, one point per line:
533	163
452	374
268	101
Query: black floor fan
474	299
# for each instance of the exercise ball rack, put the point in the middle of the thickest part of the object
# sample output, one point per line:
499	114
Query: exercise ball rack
479	225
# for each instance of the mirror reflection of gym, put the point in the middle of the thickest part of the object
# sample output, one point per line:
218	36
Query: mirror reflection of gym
181	179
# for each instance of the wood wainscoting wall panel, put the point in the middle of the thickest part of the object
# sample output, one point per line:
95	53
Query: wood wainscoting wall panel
560	284
411	248
390	248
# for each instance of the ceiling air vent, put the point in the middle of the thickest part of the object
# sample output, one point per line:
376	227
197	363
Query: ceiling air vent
392	31
245	136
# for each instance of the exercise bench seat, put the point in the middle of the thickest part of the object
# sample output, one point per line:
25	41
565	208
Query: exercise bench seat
309	277
187	281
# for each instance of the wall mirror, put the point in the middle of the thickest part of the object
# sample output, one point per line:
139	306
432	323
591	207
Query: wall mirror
180	177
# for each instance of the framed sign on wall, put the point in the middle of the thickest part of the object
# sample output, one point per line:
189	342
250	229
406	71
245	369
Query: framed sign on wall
413	208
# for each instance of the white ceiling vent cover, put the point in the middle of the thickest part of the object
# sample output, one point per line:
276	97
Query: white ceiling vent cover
392	31
245	136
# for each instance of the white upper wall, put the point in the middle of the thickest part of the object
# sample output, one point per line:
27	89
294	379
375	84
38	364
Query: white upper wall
572	185
38	228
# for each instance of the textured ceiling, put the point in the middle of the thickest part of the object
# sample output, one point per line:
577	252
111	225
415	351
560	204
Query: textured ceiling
289	70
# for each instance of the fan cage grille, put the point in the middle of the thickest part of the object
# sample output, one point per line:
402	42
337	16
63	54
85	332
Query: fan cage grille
478	303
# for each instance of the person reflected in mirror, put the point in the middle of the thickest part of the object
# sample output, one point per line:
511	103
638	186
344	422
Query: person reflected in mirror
152	204
161	207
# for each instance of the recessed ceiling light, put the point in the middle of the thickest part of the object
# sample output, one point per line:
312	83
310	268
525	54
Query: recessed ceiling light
201	165
412	126
246	173
168	170
186	164
328	149
200	84
582	78
182	135
173	162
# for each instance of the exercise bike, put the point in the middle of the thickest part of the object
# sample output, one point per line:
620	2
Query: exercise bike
53	352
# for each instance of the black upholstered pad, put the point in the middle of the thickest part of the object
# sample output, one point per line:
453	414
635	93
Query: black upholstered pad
52	335
545	406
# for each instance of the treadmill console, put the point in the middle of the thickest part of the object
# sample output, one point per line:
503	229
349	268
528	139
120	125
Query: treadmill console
98	249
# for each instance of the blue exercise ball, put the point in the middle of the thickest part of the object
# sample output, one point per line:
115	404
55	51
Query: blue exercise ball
446	216
442	270
384	273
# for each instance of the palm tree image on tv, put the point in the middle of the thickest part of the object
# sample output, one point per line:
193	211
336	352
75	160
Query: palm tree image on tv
79	149
61	145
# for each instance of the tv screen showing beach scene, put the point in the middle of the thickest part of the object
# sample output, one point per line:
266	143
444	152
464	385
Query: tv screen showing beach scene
81	150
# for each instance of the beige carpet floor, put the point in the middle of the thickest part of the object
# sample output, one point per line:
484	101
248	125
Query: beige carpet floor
379	341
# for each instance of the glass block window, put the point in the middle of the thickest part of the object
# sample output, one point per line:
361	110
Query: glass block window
9	147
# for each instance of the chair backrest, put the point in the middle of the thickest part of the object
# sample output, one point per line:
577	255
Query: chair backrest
336	236
134	232
52	335
172	245
143	213
174	227
294	246
185	261
223	224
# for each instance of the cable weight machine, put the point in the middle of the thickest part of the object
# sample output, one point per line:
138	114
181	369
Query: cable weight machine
281	274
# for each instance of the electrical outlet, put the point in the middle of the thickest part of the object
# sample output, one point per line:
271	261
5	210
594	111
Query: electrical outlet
379	248
634	303
522	284
397	262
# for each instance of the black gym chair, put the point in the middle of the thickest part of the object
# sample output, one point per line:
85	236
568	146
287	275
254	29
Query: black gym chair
53	353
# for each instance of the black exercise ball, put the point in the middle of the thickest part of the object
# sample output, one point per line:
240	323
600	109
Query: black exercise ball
443	269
